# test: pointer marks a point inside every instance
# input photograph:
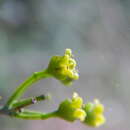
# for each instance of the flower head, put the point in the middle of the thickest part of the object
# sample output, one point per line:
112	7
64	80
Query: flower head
94	113
71	109
63	68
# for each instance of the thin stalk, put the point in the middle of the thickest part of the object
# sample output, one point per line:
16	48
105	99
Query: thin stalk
28	101
25	85
33	115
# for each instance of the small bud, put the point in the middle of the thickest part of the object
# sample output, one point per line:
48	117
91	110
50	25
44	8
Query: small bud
71	109
94	111
77	101
68	52
99	108
63	68
80	114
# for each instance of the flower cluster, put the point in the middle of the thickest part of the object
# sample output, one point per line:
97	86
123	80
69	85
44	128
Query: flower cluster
90	114
94	111
63	68
71	109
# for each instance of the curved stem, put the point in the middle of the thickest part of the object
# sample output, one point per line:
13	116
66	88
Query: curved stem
36	76
33	115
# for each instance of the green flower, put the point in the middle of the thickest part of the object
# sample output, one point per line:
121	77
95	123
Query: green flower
63	68
71	109
94	113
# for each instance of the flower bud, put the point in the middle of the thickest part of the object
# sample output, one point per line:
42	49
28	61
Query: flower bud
63	68
71	109
94	111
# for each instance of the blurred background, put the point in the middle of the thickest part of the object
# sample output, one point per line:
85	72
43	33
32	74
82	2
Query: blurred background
98	32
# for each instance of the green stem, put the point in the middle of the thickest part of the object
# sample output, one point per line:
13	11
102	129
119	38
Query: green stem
36	76
33	115
28	101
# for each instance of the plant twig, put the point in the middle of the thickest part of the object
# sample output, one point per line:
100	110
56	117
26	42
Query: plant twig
28	101
33	115
22	88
